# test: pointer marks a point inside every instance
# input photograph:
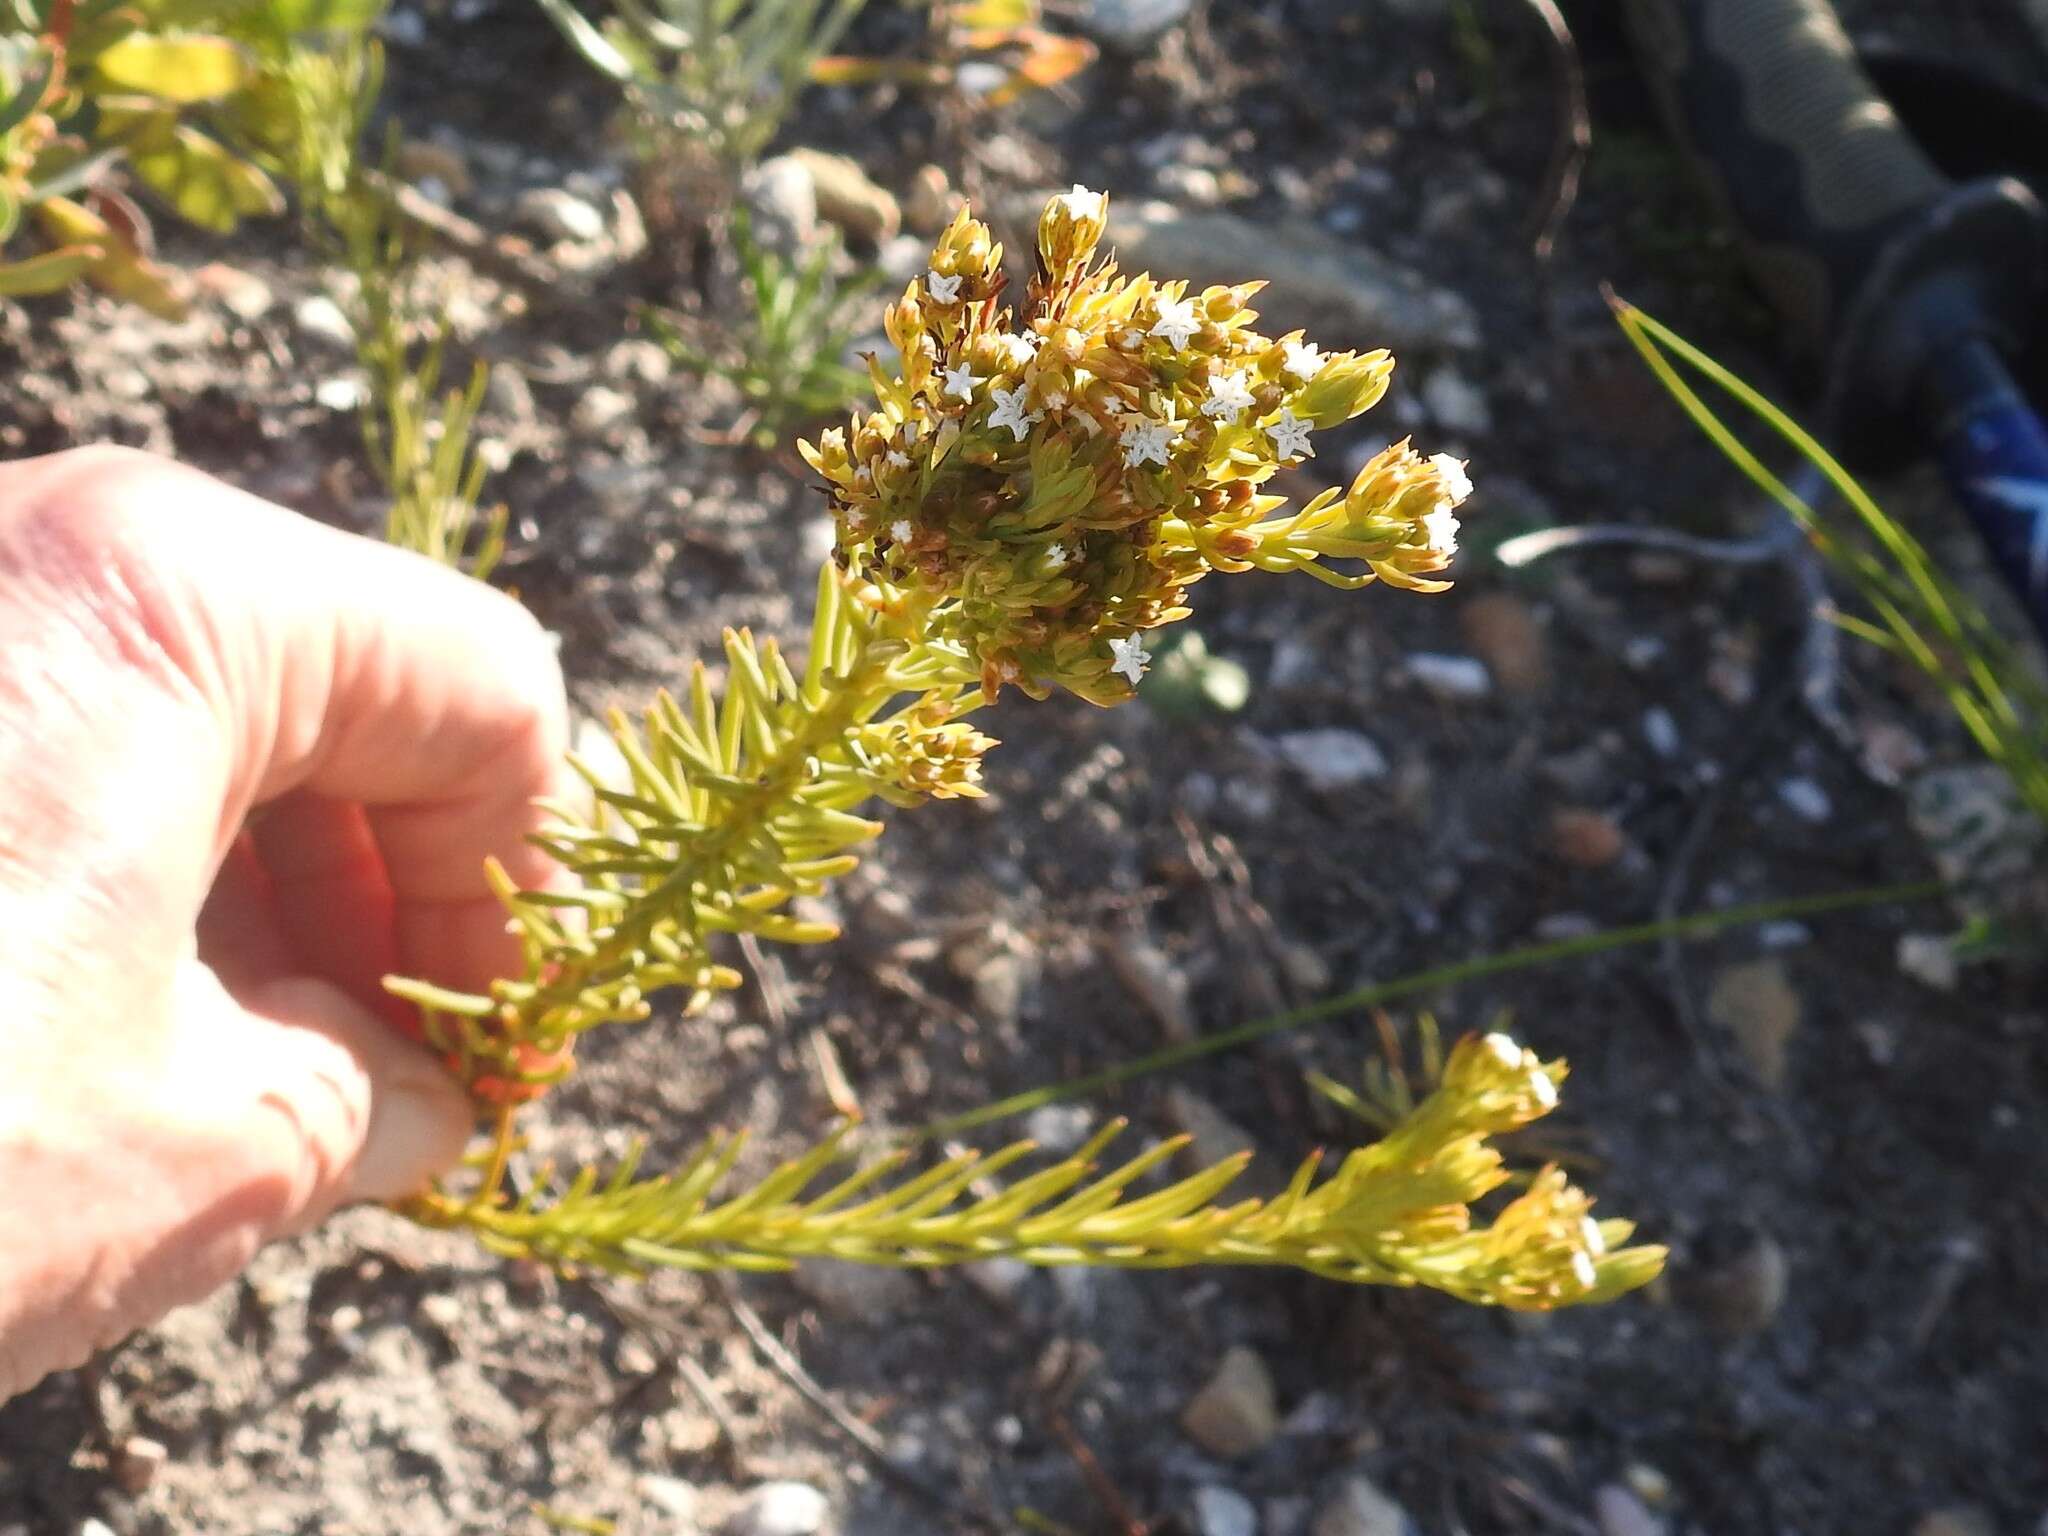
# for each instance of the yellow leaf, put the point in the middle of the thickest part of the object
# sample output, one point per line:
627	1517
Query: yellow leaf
1050	60
849	69
51	272
119	267
204	183
182	69
981	15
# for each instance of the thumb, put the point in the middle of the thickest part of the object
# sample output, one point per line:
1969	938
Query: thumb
277	1106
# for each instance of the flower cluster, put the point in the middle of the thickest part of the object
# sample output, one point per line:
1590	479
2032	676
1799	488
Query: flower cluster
1048	488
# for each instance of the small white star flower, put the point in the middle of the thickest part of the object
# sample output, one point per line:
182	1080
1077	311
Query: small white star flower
1290	436
901	531
1440	528
1503	1049
1177	322
1010	412
1228	397
912	430
1457	484
1081	203
898	459
945	289
1056	556
865	475
1583	1271
960	382
1130	340
1128	657
1304	359
1145	442
1013	351
1589	1229
1056	399
1542	1089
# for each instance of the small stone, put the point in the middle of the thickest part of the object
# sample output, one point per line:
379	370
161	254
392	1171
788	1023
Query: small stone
442	1310
1221	1511
848	198
1755	1003
1456	404
1059	1128
601	409
1618	1512
1450	678
1504	633
558	215
1213	1137
339	394
856	1292
1356	1507
638	360
1736	1280
635	1357
1660	731
930	203
781	201
1805	798
1235	1413
1647	1483
780	1509
137	1463
1955	1520
1332	759
507	393
1339	290
92	1525
242	294
1131	26
1586	839
1153	979
425	160
1930	959
671	1495
1000	983
321	318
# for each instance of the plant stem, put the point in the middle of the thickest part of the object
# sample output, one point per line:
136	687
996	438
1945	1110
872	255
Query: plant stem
1528	957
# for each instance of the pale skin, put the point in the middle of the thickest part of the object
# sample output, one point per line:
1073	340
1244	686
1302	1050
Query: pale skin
249	765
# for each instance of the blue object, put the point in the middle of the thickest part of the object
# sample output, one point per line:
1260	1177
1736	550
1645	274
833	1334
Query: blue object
1994	450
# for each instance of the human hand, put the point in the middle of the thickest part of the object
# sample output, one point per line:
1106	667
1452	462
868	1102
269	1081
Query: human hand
196	1055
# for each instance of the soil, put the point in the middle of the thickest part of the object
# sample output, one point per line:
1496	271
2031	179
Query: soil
1850	1337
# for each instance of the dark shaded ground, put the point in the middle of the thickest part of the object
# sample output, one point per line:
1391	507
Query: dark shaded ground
374	1378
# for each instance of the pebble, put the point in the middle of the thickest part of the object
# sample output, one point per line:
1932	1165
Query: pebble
1221	1511
781	201
1332	759
243	294
929	204
601	409
1153	979
1755	1002
1341	291
93	1526
671	1495
1059	1128
1660	731
1505	634
137	1463
427	160
339	394
1738	1280
848	198
1450	678
638	359
1213	1136
1235	1413
1805	798
1131	26
321	318
1357	1507
558	215
780	1509
1586	839
1456	404
1618	1512
1930	959
856	1292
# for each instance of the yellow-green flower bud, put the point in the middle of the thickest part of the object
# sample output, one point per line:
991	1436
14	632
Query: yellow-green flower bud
1344	386
1071	227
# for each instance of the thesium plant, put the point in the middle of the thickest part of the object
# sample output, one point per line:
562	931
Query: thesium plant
1030	497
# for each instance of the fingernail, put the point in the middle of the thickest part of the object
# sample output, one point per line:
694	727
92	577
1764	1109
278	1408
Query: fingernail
419	1124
